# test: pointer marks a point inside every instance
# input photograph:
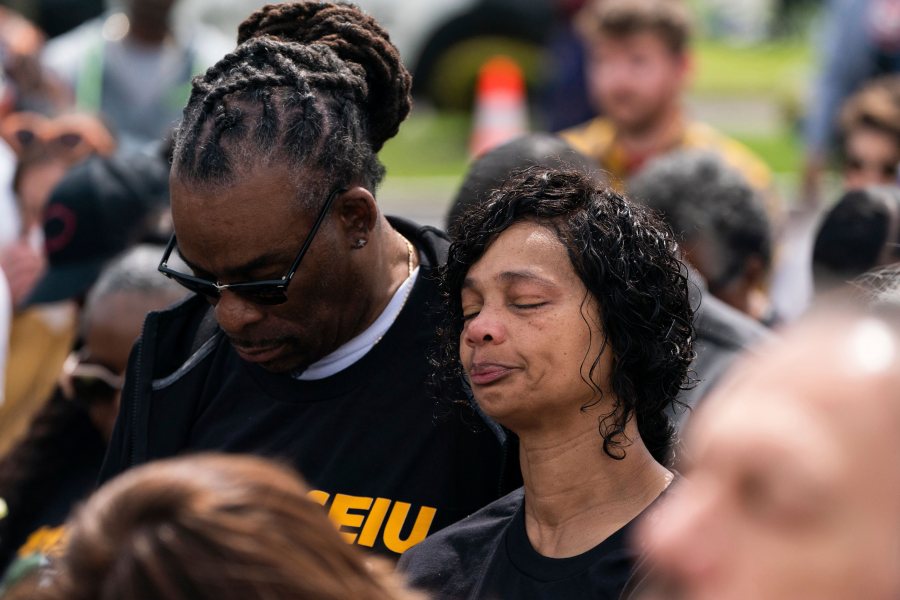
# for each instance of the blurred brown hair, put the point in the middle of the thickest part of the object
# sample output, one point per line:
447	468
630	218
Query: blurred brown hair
668	19
211	527
876	105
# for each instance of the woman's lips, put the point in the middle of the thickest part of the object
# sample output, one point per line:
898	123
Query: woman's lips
488	373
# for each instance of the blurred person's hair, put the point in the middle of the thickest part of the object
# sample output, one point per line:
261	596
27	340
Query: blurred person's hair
701	197
627	259
212	527
490	170
317	85
875	106
860	232
879	287
61	431
134	272
668	19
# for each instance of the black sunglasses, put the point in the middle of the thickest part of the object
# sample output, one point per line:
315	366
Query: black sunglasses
269	291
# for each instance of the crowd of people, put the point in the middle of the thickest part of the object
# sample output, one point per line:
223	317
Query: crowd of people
226	373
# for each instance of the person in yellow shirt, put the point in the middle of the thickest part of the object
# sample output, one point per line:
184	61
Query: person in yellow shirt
638	67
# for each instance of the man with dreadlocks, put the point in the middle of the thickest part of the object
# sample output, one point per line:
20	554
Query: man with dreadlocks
307	339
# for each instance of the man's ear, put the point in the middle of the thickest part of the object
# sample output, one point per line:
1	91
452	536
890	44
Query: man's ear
357	214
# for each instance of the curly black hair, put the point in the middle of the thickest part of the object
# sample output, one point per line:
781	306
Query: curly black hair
627	259
316	84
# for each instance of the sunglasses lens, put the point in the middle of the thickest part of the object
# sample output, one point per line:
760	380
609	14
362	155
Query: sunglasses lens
70	140
25	136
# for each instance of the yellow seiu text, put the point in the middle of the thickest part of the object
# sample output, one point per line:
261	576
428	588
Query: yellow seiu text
361	520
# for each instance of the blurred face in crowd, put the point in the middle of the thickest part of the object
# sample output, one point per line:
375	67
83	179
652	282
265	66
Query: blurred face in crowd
871	158
741	286
791	488
111	327
150	17
635	78
531	331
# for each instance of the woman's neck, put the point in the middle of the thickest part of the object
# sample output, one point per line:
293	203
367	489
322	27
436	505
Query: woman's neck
576	496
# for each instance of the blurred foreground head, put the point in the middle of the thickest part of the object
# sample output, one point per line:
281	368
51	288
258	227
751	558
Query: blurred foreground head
212	527
792	486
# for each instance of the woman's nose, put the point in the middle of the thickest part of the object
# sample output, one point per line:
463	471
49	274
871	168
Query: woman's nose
484	328
234	313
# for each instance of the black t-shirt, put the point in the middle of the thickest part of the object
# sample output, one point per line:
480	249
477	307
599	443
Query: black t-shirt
388	461
488	556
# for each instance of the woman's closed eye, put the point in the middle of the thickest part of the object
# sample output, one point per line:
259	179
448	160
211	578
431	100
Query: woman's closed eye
529	305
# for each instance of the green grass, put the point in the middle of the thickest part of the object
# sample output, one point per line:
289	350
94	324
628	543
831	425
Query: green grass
782	151
436	144
778	72
774	69
429	144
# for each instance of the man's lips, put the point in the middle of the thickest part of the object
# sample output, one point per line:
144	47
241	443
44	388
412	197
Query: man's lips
259	354
485	373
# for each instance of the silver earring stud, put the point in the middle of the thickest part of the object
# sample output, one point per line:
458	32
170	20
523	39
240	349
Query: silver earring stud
360	243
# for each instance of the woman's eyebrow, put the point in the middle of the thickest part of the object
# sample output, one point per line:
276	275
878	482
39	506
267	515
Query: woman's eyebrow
529	276
510	277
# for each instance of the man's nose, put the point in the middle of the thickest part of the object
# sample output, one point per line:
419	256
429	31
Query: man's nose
234	313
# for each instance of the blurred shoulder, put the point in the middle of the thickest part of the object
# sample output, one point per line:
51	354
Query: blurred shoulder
592	138
737	155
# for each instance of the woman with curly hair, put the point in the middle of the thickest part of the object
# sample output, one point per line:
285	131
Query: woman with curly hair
568	316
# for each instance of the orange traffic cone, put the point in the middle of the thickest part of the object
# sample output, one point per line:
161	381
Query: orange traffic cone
500	111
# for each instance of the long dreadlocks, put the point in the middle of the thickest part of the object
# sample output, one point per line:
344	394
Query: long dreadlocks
314	83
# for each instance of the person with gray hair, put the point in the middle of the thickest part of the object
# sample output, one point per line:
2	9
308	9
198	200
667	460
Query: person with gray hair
720	222
704	202
57	462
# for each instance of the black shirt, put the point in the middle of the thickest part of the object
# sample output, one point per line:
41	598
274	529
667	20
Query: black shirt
488	555
389	462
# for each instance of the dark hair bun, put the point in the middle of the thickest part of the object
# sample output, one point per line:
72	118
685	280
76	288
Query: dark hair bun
358	40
